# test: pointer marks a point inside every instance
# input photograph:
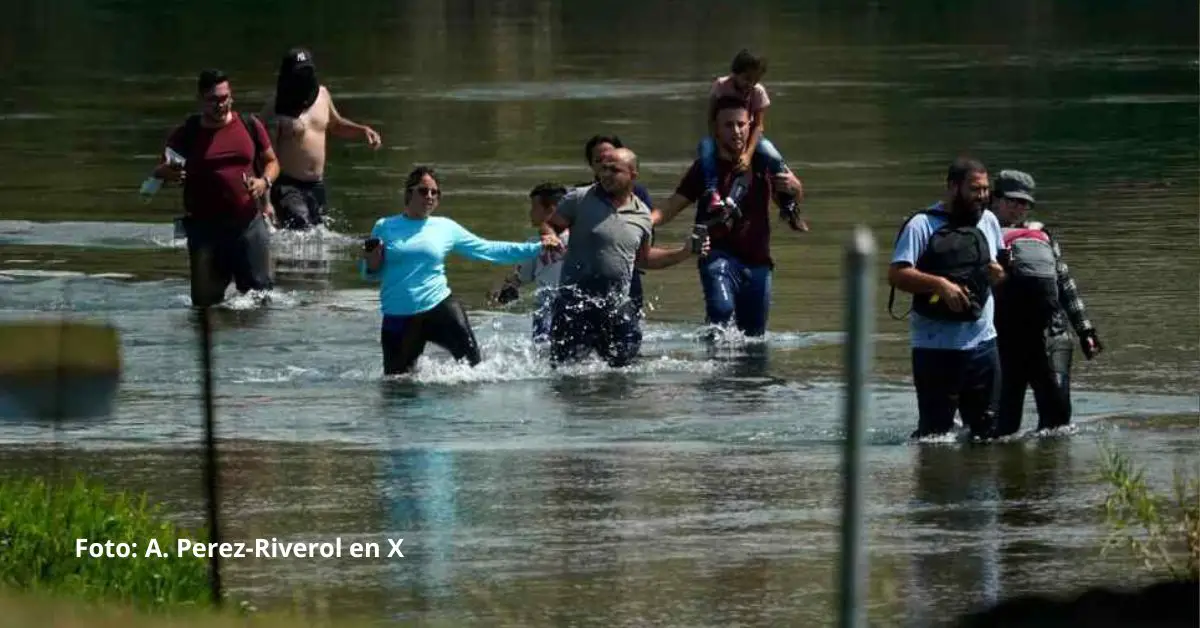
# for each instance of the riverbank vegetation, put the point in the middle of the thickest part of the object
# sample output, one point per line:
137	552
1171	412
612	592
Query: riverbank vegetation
42	521
1160	529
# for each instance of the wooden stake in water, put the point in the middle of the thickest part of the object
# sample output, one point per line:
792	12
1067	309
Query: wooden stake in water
860	312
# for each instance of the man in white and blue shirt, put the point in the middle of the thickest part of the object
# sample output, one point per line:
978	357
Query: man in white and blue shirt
955	363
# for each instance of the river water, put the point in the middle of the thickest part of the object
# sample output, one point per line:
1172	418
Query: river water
700	486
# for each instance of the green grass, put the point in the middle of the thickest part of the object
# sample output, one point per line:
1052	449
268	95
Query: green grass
1162	531
40	523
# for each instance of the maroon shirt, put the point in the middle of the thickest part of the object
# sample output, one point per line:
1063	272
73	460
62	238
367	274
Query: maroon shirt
213	189
749	239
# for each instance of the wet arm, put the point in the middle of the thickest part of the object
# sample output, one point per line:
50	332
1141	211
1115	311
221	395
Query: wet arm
371	263
270	165
903	276
472	246
669	209
344	127
656	258
1068	294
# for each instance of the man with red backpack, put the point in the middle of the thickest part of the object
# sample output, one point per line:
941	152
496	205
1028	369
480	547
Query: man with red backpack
227	169
1036	306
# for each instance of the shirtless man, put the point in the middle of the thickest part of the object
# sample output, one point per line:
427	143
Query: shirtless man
299	115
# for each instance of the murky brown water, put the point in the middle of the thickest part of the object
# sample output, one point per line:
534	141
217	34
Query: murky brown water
699	488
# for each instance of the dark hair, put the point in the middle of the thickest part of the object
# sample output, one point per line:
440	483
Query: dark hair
598	140
745	61
209	79
728	102
548	192
414	179
963	167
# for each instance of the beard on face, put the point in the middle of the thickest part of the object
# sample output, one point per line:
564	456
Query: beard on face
966	209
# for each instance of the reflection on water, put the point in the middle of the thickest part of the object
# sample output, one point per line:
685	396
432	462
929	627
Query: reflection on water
643	533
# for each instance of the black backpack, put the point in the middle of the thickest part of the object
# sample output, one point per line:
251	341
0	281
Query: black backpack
1029	298
958	252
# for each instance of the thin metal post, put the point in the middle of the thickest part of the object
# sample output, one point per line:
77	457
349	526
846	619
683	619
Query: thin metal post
210	452
860	311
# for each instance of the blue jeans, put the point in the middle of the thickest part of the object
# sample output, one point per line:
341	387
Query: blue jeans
708	159
949	380
735	290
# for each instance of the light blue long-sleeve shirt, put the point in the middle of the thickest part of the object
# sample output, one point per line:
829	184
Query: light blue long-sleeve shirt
413	275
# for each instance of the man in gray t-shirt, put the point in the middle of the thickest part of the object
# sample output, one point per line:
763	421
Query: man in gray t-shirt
610	234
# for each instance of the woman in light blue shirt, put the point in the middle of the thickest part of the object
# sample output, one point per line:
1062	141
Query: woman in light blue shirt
406	253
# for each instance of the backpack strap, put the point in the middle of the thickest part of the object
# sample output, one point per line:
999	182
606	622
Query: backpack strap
248	122
892	292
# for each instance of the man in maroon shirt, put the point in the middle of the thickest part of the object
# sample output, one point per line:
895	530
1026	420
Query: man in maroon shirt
736	275
226	177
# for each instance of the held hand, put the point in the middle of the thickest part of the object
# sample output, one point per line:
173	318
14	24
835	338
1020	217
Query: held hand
1091	345
373	138
696	246
373	253
256	185
995	273
797	223
551	243
953	294
173	174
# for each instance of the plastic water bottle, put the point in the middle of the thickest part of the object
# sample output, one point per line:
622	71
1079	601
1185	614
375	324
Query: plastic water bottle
150	187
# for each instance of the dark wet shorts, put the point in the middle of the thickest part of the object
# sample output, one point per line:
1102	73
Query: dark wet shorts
596	319
218	254
298	204
403	338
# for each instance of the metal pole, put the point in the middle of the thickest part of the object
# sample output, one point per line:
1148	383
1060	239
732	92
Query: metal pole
860	309
210	452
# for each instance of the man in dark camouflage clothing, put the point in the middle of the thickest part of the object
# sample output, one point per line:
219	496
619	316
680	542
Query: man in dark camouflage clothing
1036	357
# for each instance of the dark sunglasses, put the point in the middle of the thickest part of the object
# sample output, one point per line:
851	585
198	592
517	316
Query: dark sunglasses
424	191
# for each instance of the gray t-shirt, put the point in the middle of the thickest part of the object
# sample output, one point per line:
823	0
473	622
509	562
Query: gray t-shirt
604	240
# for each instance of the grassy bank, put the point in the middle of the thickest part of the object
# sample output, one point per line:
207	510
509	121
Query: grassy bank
42	522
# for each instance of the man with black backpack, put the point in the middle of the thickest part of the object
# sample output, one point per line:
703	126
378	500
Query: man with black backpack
1033	306
227	169
945	256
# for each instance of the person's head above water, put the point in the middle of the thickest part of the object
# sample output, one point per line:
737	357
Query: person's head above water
618	170
747	70
597	146
296	87
732	122
968	191
215	95
1012	196
543	201
421	192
